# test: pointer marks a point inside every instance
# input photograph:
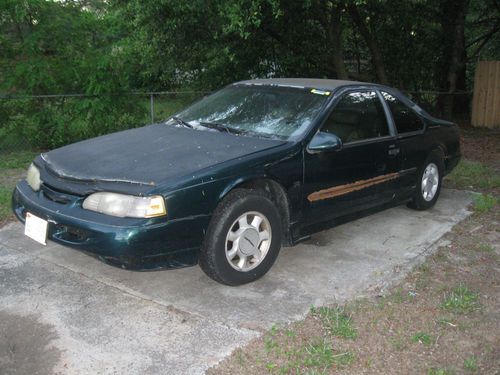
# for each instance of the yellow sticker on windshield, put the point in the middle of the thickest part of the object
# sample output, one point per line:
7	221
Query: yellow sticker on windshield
320	92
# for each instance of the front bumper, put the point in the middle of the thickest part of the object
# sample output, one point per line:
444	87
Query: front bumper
126	242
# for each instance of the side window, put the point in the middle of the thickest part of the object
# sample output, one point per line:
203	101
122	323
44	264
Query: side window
405	119
357	116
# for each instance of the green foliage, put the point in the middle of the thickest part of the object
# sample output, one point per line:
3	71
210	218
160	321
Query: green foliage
107	48
44	124
60	48
484	202
461	300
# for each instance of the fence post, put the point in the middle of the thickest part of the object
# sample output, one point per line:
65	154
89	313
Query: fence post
152	107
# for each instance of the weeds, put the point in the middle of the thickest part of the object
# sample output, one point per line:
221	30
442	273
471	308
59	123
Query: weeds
441	371
337	321
470	364
318	354
461	300
484	202
423	338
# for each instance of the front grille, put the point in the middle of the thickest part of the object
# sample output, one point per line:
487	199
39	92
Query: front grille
54	195
71	234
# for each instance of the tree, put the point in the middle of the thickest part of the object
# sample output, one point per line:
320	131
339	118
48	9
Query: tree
360	21
62	48
453	56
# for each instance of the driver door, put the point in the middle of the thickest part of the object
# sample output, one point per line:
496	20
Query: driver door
364	172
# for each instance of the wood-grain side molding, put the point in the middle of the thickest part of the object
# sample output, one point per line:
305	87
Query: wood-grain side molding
354	186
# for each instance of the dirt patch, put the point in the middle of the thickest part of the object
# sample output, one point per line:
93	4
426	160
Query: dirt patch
481	145
25	345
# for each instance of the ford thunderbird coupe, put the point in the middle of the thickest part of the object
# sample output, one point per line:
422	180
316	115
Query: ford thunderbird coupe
228	181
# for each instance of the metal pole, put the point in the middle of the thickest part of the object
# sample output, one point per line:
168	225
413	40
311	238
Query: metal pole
152	106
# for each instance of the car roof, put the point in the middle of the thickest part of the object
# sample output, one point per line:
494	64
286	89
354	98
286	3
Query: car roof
330	85
316	83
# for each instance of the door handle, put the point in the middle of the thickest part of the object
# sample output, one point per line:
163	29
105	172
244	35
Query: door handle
393	151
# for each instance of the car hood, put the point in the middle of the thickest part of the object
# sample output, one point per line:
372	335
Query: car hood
149	156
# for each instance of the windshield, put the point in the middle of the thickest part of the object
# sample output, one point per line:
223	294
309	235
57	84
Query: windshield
260	110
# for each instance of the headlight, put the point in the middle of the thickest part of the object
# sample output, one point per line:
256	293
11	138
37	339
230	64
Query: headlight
122	205
33	177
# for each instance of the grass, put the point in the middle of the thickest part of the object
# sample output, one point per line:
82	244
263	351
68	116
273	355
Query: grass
441	371
398	342
470	364
485	247
484	202
10	163
320	354
461	300
314	356
336	321
16	160
470	174
5	199
423	338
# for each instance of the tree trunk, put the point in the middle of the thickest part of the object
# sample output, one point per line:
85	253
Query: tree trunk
452	67
371	43
334	30
330	18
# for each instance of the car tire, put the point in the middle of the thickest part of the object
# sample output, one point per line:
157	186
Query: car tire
429	181
235	233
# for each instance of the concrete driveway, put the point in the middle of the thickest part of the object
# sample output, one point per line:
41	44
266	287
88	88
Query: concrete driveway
63	311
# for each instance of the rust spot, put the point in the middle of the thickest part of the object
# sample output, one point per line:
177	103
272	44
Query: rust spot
349	188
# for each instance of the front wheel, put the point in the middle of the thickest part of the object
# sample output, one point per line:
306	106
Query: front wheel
429	180
243	238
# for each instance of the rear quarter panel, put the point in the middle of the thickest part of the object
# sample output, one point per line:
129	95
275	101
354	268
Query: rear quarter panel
442	136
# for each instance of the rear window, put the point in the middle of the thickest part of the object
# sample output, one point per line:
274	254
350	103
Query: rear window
405	119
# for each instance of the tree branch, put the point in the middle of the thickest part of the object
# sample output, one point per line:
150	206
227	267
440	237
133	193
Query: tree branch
483	43
487	35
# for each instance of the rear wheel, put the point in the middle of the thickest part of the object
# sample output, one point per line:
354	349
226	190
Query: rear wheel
429	180
243	238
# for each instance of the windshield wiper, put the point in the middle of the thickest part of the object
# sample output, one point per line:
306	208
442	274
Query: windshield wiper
220	127
182	122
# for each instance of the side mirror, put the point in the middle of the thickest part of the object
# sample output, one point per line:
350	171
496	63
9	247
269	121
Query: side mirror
323	142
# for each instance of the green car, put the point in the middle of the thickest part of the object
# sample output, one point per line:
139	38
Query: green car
231	179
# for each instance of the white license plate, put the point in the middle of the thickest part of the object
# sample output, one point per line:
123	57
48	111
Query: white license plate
36	228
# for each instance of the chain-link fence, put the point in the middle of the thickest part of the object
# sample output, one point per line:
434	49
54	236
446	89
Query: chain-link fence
42	122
